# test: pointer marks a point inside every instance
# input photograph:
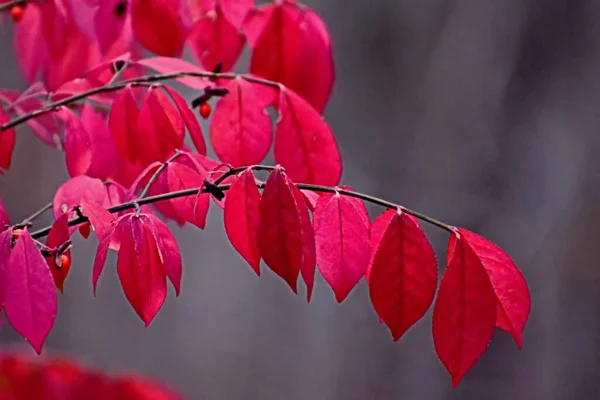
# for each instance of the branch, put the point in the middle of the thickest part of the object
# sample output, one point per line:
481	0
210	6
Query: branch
303	186
140	81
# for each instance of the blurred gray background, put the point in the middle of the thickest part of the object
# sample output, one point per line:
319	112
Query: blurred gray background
482	113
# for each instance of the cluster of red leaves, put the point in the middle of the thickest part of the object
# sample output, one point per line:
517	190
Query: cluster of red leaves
127	142
481	287
61	379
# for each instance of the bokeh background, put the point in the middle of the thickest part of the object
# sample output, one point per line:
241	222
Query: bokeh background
482	113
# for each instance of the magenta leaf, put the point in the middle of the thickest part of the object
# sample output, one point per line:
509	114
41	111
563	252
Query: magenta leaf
30	301
240	130
242	217
304	143
342	243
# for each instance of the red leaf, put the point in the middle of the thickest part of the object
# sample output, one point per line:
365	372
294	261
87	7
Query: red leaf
291	45
158	26
464	314
510	287
123	123
235	11
100	259
4	220
285	241
59	234
309	257
160	128
404	274
7	143
5	250
310	198
304	143
140	268
376	232
30	302
215	40
104	152
101	220
193	209
189	119
78	146
76	191
342	243
110	26
242	217
240	130
167	249
167	65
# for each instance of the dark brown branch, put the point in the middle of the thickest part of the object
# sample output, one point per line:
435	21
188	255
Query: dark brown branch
113	86
303	186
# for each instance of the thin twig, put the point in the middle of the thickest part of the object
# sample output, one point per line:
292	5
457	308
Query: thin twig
303	186
37	214
158	171
111	87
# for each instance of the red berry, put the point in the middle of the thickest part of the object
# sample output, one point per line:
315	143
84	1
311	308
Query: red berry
64	261
17	13
205	110
16	233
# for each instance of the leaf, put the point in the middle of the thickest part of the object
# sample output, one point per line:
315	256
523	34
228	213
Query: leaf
510	287
4	220
76	191
104	152
192	209
123	123
30	302
310	198
7	143
189	119
101	220
167	249
304	143
140	268
109	25
376	232
464	314
291	46
160	128
78	146
403	275
158	26
5	250
342	243
215	40
242	217
58	235
285	242
100	259
240	130
168	65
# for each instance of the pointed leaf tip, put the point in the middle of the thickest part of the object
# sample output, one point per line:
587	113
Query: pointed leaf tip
342	243
242	216
464	314
285	236
30	300
140	268
403	277
510	287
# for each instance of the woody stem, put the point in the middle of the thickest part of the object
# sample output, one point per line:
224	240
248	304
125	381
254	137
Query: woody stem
302	186
114	86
